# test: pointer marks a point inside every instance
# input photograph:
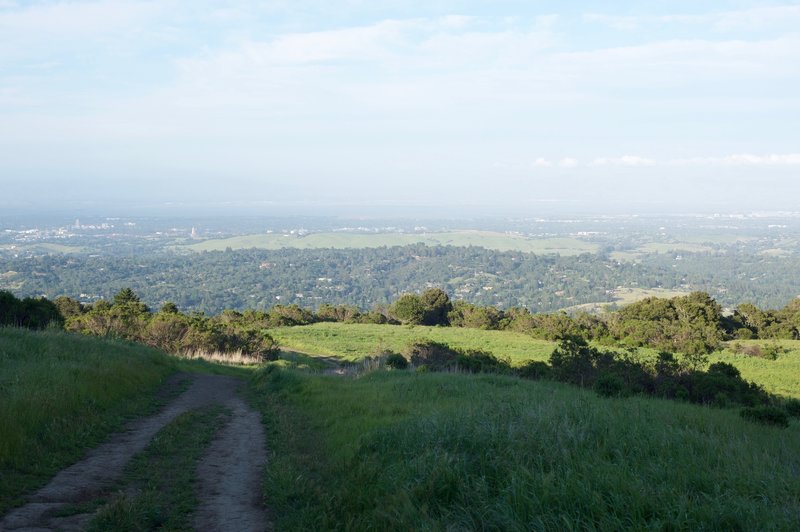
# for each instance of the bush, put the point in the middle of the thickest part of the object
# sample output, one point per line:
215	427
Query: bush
792	407
767	415
435	355
773	351
396	361
609	385
725	369
476	361
534	369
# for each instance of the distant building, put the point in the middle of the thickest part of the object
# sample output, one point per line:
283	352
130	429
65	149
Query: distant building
194	232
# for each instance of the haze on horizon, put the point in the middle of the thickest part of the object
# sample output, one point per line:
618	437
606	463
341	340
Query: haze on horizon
677	105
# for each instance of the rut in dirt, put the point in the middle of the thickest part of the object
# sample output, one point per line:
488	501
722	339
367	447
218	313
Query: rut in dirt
229	474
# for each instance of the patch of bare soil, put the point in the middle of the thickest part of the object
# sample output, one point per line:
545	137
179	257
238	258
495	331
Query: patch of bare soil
230	476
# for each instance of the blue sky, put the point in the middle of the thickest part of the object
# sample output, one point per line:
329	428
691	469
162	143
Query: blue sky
503	103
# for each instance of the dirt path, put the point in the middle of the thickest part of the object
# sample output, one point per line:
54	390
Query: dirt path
229	475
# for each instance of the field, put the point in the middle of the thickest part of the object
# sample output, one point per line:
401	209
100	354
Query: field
660	247
626	296
780	376
407	451
352	342
44	246
341	240
400	450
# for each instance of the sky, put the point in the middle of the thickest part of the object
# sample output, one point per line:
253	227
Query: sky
510	105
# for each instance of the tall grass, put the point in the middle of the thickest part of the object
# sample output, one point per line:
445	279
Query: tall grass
61	394
399	451
230	358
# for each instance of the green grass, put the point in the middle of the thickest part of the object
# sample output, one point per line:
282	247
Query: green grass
781	376
51	247
352	342
406	451
61	394
341	240
157	491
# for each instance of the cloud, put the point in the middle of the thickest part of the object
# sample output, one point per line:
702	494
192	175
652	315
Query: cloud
752	19
636	161
625	160
742	159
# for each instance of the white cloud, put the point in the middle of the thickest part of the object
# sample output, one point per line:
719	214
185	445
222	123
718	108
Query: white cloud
625	160
636	161
742	159
752	19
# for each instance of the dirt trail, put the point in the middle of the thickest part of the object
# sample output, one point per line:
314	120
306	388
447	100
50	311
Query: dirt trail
229	475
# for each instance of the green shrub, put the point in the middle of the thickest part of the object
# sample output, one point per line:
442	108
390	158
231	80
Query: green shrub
396	361
436	356
534	369
767	415
476	361
609	385
792	407
723	368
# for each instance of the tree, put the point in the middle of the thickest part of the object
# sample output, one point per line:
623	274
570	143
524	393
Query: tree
169	308
408	309
437	306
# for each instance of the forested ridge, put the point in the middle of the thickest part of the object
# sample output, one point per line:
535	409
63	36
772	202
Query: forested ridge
257	279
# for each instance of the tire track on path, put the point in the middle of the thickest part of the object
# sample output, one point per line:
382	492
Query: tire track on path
232	477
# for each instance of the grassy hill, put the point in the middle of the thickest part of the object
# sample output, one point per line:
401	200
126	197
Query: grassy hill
402	450
352	342
61	394
341	240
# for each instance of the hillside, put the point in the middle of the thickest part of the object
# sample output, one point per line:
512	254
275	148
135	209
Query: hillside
400	450
353	342
344	240
61	394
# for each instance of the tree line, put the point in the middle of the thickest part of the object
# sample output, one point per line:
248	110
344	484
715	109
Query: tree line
127	317
691	324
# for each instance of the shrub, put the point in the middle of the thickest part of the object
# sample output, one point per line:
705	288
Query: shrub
773	351
534	369
476	361
792	407
435	355
725	369
609	385
396	361
767	415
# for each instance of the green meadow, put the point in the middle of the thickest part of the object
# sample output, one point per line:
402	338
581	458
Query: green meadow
399	450
342	240
407	451
353	342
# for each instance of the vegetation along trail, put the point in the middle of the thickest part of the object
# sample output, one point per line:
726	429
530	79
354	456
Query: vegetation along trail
229	475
